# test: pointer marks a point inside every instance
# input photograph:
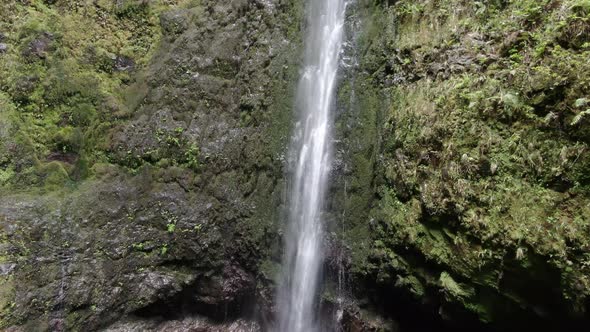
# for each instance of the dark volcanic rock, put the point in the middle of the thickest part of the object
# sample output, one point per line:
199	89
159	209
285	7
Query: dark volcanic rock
94	241
39	47
123	63
194	324
186	234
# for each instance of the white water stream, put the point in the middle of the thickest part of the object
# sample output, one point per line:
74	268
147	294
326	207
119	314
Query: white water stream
310	151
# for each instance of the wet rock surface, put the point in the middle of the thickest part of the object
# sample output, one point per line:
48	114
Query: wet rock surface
179	220
95	260
460	187
185	325
442	231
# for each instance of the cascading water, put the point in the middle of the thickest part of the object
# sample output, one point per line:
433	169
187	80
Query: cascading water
311	159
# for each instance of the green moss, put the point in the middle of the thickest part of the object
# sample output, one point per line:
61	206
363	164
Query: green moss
454	289
271	271
54	175
67	94
6	175
484	147
6	300
132	8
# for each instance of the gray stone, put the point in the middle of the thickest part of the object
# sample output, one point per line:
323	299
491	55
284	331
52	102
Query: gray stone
6	269
186	324
39	47
175	22
123	63
106	246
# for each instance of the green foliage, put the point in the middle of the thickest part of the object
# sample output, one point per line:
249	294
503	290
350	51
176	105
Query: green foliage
191	157
171	221
60	74
485	150
453	289
409	10
131	8
174	149
581	102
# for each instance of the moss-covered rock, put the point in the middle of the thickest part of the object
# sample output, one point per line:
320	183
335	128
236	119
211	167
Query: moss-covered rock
142	146
482	201
141	157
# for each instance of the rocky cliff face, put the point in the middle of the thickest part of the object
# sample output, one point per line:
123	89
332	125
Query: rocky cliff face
142	153
481	207
141	158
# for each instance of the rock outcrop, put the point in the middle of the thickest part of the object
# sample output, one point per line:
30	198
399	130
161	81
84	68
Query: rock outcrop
159	197
481	198
142	156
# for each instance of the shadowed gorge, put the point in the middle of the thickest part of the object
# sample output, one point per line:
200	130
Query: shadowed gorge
149	177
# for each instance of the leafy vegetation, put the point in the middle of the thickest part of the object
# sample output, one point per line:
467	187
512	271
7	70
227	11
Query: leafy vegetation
64	84
483	174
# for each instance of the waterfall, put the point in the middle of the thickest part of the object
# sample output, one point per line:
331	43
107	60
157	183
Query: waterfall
311	160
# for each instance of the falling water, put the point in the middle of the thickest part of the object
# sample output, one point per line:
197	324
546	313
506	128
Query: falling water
311	163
